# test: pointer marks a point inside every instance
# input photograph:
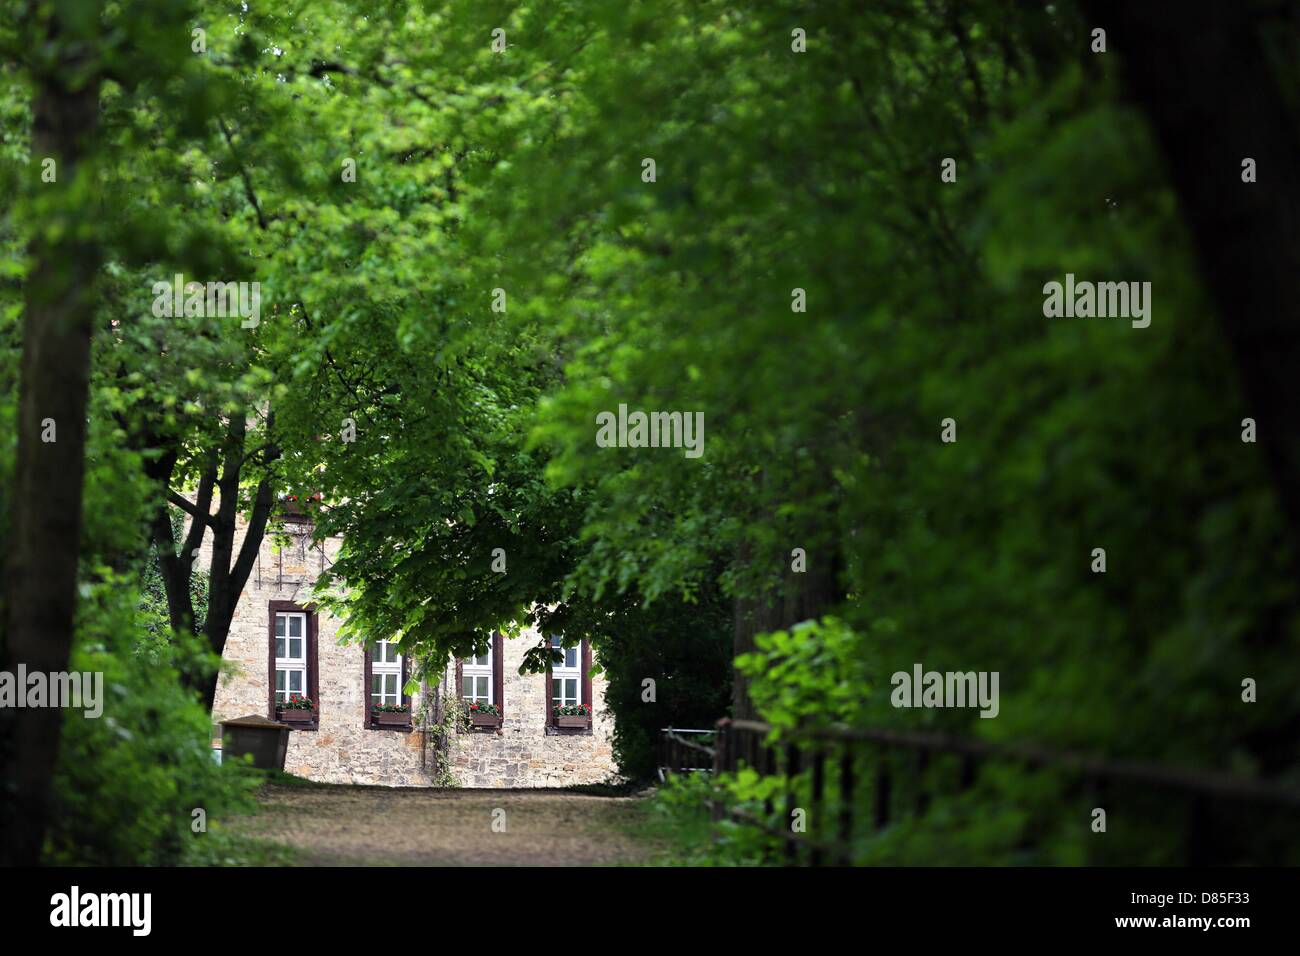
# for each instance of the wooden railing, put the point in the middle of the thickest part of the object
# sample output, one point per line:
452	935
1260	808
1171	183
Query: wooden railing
845	774
683	750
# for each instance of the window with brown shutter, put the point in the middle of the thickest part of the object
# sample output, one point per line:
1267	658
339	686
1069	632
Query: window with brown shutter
386	672
293	674
568	689
480	682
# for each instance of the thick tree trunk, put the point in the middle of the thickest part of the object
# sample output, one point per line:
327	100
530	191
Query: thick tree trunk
230	569
805	595
41	578
1200	74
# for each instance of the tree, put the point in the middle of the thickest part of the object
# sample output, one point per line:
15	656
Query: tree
41	577
1245	232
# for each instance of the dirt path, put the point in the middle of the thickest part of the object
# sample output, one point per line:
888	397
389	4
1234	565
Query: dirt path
373	826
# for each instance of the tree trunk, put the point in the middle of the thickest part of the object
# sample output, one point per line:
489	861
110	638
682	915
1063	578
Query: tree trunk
41	579
804	596
1201	76
229	571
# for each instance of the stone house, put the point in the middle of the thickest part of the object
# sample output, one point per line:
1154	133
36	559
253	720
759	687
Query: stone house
280	644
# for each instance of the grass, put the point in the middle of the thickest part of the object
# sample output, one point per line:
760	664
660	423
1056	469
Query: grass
218	847
679	831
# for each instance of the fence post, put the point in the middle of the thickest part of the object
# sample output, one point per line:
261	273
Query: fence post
882	788
815	811
967	772
792	765
922	797
846	794
721	754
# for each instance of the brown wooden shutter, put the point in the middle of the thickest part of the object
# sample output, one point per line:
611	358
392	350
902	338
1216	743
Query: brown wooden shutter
546	685
403	696
270	660
586	681
313	667
498	672
367	677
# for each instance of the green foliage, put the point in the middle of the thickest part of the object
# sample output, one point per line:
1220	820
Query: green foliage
474	496
821	172
127	783
685	649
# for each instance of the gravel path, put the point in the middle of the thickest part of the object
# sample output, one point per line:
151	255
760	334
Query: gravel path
375	826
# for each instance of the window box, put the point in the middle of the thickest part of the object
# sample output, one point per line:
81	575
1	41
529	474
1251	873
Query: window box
572	715
483	714
390	718
295	716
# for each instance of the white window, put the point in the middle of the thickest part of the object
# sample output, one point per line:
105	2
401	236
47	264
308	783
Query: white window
385	674
476	678
290	655
566	678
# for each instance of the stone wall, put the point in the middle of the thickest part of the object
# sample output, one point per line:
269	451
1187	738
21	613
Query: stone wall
523	753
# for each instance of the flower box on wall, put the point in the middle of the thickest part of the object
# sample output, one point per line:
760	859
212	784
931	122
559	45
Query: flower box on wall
390	718
483	715
296	717
573	715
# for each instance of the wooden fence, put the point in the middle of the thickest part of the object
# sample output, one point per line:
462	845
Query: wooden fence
857	782
685	750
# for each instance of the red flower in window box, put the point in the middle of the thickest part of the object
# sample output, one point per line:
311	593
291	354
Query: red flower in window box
484	714
297	709
573	715
390	715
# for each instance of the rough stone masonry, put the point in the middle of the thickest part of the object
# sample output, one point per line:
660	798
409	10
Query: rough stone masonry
524	752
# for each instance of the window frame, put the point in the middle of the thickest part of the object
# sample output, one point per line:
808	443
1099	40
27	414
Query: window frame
496	686
584	685
311	654
291	664
487	672
368	674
